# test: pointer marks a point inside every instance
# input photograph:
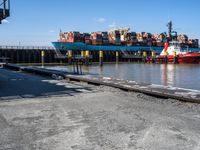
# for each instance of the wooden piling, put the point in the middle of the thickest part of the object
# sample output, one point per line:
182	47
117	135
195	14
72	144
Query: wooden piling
42	57
166	58
69	53
117	57
144	56
87	57
101	58
175	58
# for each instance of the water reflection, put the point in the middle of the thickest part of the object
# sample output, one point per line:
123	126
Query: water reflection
168	74
179	75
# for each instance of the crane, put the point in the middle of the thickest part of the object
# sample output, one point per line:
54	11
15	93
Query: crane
4	9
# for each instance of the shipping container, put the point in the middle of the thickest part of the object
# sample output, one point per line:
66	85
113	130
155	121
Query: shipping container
96	38
114	37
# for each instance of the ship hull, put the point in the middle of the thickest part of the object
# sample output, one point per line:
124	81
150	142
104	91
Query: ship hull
82	46
192	57
189	58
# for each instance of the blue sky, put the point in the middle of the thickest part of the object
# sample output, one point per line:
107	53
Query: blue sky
38	22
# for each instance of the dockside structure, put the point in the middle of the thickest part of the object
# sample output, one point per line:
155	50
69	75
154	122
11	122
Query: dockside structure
116	45
33	55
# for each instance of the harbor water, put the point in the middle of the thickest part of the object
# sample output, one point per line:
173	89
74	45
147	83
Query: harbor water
179	75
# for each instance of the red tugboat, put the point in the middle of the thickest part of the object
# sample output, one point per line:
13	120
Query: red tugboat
173	49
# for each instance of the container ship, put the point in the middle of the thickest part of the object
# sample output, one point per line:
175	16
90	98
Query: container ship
122	39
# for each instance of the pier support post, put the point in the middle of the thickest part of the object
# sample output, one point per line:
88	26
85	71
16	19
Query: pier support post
42	57
87	57
166	58
117	57
153	56
144	56
83	54
18	58
101	58
29	56
175	58
69	53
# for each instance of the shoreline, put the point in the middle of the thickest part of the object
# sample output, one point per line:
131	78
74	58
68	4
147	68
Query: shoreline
182	94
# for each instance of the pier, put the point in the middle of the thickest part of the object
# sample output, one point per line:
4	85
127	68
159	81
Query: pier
35	54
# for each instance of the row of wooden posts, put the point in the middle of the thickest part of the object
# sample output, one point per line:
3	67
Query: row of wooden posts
85	57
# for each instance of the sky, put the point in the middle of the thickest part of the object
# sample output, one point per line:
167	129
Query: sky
38	22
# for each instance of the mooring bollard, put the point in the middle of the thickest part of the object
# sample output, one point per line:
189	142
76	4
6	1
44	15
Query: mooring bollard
101	58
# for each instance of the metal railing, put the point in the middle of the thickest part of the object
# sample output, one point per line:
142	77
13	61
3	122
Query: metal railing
58	53
5	47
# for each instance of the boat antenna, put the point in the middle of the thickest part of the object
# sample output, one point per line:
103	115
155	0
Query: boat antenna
169	25
60	34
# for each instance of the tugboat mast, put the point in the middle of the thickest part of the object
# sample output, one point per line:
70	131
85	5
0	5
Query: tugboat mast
169	25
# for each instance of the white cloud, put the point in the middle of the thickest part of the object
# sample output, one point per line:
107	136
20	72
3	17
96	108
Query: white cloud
112	25
51	31
100	20
5	21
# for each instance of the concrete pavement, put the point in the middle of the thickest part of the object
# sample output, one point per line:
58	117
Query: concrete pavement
16	85
92	118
